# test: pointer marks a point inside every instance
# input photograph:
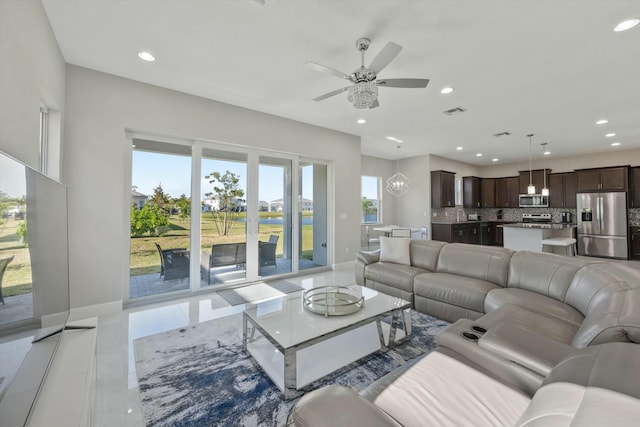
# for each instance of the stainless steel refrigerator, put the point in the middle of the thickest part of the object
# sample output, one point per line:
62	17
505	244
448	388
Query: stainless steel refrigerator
602	224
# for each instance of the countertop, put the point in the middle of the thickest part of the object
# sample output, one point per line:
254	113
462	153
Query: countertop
471	222
556	226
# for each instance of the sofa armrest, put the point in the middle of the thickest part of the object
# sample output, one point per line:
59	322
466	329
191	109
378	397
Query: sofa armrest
368	257
524	347
364	258
337	405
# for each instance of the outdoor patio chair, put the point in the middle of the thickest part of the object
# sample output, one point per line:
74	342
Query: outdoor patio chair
223	254
3	266
267	251
174	263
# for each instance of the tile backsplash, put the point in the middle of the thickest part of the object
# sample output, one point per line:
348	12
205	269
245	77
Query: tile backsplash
515	214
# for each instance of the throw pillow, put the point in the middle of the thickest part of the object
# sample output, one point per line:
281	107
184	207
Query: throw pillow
395	249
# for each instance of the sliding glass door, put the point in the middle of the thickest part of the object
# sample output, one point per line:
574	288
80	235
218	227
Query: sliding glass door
223	221
253	215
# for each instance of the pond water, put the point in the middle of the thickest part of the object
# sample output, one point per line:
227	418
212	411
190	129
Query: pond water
306	220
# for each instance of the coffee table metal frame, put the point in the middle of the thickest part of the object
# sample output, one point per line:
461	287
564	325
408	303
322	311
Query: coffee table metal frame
400	316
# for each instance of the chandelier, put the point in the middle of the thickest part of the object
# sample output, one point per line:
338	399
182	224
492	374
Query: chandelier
363	94
398	184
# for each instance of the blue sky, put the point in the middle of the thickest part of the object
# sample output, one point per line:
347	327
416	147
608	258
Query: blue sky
174	173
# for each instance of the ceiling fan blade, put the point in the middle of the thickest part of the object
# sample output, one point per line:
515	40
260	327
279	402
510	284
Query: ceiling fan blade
410	83
384	58
375	104
328	70
332	93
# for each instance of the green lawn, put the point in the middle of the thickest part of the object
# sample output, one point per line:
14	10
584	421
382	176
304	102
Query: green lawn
146	260
17	278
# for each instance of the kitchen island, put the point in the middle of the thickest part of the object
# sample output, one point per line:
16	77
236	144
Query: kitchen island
528	237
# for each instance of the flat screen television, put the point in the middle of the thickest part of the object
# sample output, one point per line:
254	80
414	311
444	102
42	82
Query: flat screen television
34	280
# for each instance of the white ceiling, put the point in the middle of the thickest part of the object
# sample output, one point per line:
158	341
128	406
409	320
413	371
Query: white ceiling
548	67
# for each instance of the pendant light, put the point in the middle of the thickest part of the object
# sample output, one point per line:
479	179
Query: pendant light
545	190
531	189
398	184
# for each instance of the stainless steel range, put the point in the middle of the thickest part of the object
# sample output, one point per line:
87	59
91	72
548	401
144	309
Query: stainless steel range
536	218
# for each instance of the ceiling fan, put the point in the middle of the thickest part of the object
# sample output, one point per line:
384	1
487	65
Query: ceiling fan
363	92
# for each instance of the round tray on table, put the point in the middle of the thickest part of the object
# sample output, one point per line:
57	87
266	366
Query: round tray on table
332	300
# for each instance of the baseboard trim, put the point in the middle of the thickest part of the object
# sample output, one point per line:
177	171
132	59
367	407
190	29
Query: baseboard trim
343	266
95	310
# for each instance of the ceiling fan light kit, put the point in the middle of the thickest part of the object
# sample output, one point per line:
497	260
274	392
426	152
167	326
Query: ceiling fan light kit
363	93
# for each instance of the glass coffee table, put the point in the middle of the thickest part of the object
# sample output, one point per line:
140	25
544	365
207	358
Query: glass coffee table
295	346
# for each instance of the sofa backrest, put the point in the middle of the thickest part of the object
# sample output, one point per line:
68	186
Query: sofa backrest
595	386
609	297
488	263
543	273
425	253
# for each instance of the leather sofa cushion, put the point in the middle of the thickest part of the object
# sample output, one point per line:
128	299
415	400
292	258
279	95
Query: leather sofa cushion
456	290
543	273
565	404
533	302
593	280
425	253
550	327
486	263
613	315
396	275
442	391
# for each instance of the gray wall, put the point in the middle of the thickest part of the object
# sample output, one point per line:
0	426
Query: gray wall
97	158
31	70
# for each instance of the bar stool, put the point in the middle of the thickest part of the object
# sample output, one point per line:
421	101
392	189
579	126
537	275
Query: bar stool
565	242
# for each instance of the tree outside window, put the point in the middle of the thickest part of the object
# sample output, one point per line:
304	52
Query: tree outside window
371	200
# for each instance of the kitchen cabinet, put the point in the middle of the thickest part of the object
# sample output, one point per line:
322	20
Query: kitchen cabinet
443	192
635	242
498	233
464	232
487	229
562	190
634	198
537	178
472	192
603	179
489	192
507	192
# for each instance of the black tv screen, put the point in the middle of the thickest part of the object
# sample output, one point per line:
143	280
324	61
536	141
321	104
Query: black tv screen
34	281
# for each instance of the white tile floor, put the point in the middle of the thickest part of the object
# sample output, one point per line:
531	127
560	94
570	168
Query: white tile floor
117	401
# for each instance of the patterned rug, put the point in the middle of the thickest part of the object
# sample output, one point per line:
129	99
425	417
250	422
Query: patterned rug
201	375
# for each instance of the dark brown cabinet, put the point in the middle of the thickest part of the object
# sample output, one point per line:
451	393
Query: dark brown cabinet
635	188
537	178
466	232
489	192
507	192
562	190
472	192
603	179
443	192
635	242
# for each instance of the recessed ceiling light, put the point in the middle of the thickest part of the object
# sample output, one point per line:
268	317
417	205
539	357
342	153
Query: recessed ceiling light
602	122
626	25
458	148
146	56
495	160
546	152
479	155
446	90
609	135
615	144
392	138
362	121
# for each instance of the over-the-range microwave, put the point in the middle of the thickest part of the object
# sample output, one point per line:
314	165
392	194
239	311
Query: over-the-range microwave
534	201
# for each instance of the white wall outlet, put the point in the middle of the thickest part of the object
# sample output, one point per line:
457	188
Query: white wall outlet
346	250
343	216
435	214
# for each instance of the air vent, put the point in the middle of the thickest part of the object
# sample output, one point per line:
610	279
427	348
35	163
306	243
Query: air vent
498	135
453	111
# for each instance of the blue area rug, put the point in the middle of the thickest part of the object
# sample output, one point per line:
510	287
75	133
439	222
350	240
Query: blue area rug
201	375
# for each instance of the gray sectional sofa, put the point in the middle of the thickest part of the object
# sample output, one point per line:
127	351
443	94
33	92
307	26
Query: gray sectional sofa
522	322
